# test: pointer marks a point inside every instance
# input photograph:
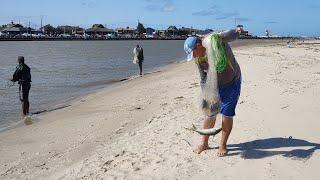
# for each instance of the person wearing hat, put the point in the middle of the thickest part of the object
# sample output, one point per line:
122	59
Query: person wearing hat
229	85
22	75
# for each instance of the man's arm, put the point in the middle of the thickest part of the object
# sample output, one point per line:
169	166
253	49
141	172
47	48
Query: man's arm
229	35
142	54
15	76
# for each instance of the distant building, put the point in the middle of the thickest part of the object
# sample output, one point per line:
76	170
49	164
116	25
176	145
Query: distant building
185	31
99	29
126	31
2	27
161	33
192	32
172	31
241	31
13	29
69	30
150	31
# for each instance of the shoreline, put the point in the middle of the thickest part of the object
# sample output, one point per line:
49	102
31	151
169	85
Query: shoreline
61	104
95	87
135	130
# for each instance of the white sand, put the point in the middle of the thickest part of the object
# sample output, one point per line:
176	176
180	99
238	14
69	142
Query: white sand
135	130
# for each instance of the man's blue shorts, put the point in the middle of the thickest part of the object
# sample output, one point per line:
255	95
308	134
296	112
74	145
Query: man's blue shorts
229	96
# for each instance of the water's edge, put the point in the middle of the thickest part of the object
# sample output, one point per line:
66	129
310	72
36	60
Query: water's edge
61	104
96	86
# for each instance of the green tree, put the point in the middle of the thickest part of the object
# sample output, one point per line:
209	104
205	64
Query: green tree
97	26
48	29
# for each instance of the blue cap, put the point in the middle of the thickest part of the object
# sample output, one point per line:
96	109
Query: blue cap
189	45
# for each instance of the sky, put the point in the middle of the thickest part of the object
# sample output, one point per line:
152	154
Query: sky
280	17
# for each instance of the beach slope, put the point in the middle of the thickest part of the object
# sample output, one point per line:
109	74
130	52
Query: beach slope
136	129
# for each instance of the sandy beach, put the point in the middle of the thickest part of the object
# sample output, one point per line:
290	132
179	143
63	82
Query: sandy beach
136	128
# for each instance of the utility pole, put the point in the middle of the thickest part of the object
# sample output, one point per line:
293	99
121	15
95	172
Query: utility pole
28	29
41	28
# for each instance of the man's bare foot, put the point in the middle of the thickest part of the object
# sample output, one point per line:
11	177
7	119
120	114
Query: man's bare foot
200	148
222	151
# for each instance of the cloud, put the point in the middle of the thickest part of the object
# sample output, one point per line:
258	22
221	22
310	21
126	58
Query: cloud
160	5
215	11
270	22
168	7
226	15
243	19
89	4
204	13
153	7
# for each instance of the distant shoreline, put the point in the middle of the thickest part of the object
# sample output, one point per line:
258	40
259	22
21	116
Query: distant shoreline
126	39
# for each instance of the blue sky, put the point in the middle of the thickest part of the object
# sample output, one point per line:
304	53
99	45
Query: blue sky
284	17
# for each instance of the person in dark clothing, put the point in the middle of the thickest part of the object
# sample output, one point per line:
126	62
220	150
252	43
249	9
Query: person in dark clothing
138	57
22	75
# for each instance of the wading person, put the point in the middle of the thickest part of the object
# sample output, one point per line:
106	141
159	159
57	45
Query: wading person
22	75
229	85
138	57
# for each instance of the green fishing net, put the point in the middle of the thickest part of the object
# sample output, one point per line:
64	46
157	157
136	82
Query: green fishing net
218	53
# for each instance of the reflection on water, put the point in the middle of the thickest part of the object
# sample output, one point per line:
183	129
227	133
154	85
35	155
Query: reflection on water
63	70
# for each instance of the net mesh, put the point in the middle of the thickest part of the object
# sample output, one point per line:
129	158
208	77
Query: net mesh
210	101
220	57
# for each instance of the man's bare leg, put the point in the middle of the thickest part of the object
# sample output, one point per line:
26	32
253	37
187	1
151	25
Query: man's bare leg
227	123
208	123
24	107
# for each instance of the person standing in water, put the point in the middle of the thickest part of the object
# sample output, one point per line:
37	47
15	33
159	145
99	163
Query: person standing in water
22	75
138	57
229	85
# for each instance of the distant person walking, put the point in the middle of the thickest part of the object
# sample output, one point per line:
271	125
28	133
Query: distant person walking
22	75
138	57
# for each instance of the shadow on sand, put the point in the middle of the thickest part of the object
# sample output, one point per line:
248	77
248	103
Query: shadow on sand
294	148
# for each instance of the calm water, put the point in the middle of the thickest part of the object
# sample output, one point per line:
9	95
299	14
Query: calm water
64	70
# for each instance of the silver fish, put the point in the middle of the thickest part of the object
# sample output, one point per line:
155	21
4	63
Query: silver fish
205	132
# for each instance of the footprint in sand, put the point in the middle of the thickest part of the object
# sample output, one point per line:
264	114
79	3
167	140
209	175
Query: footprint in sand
163	104
106	165
179	98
